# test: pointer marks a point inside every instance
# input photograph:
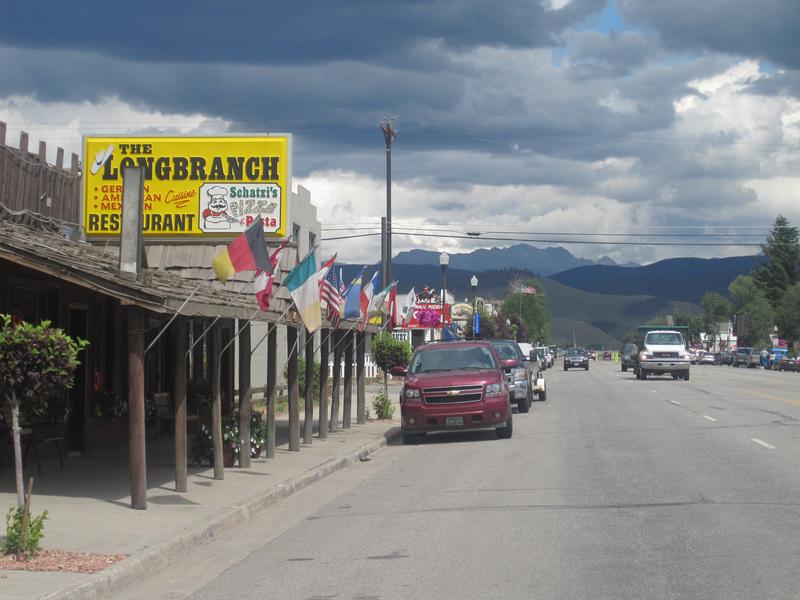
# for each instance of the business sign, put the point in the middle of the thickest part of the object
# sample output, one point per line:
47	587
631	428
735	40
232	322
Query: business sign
476	323
194	187
429	316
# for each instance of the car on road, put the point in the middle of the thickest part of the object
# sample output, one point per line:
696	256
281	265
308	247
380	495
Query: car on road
592	354
787	363
535	365
628	357
705	358
742	357
519	373
541	354
454	386
606	355
723	358
576	358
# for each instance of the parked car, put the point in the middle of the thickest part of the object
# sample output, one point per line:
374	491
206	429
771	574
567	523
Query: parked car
787	363
534	364
454	386
742	357
606	355
519	376
705	358
628	356
723	358
541	354
576	358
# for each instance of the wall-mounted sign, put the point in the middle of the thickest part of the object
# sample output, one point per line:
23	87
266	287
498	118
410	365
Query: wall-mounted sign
195	187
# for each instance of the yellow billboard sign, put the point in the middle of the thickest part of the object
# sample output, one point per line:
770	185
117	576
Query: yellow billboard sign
195	187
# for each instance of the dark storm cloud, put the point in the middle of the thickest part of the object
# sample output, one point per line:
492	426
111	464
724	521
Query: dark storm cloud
759	29
599	55
280	32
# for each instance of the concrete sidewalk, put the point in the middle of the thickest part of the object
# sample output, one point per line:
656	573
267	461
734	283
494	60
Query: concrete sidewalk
89	505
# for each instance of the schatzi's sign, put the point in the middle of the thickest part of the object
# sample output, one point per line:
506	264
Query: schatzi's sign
194	186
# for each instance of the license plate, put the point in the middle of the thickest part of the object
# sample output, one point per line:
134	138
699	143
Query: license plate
453	421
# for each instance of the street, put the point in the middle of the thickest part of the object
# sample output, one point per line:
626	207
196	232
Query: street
613	488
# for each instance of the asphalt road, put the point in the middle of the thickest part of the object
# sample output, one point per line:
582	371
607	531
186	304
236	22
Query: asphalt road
613	488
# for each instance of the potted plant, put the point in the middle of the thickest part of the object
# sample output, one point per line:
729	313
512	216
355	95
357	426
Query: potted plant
230	439
258	433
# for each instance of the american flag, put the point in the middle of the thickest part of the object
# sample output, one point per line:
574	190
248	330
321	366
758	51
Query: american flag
329	292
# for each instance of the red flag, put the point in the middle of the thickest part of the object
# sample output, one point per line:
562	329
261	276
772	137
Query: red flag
264	280
391	304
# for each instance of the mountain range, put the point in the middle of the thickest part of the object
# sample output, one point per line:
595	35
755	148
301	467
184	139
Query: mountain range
597	304
520	256
675	278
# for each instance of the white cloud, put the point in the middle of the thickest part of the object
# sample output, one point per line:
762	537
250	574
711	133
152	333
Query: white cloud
64	123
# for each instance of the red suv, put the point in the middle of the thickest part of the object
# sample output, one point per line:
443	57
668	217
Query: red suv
454	386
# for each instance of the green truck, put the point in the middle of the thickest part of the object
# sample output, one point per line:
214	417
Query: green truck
662	351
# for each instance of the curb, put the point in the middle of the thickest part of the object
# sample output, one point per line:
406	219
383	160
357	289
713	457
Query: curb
142	564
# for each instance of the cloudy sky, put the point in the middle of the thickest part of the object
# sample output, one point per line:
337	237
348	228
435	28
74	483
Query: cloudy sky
556	117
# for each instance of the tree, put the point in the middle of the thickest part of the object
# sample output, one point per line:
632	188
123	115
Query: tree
782	269
716	309
787	316
530	310
36	362
389	352
488	326
754	314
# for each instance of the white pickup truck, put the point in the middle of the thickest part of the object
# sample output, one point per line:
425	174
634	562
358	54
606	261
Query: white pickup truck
663	353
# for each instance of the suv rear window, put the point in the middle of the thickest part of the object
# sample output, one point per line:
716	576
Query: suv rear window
453	359
629	349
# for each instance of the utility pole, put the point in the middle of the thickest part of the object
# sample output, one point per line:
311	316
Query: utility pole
389	134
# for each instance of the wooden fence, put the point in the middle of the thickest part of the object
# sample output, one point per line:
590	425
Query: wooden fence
28	182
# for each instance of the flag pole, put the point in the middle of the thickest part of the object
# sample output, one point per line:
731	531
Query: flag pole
217	318
177	312
275	324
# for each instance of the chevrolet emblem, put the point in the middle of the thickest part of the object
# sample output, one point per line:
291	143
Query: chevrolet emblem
452	392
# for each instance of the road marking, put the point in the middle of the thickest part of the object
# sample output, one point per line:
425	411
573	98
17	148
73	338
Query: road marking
765	444
771	397
676	403
709	418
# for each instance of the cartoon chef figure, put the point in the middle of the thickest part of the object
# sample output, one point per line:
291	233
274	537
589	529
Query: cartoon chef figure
215	216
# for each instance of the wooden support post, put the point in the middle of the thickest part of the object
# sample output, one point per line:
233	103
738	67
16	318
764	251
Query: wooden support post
60	158
308	420
245	396
179	395
23	144
337	380
43	151
361	400
2	133
136	419
294	390
323	384
347	410
272	380
216	399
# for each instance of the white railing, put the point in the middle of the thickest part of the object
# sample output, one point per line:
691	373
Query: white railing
371	370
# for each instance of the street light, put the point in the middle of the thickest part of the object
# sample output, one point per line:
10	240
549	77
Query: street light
444	260
474	284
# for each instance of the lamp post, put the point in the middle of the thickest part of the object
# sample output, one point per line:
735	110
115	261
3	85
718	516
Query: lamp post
473	284
444	260
389	135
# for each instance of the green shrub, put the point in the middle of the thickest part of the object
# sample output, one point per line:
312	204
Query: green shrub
384	409
389	352
23	533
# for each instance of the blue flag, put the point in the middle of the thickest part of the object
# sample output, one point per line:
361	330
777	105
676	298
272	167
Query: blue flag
352	297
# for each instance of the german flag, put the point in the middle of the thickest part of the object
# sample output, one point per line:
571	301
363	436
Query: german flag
248	252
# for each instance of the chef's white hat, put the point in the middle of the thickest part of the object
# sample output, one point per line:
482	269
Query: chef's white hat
217	190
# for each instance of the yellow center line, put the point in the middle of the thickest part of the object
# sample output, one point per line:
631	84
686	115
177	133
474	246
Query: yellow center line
771	397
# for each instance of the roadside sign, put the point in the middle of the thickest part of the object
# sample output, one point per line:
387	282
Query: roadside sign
476	324
194	187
